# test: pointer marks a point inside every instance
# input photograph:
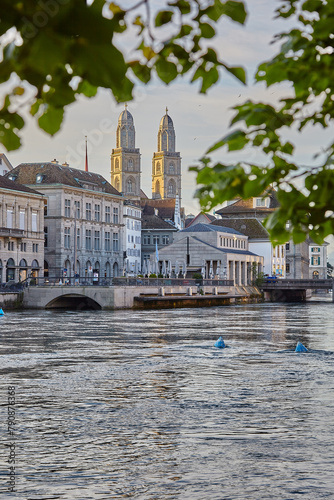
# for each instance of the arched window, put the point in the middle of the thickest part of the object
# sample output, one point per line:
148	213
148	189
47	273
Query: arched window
108	270
115	270
130	164
10	271
164	141
117	183
315	275
157	187
171	189
88	268
158	168
117	164
129	186
171	168
34	268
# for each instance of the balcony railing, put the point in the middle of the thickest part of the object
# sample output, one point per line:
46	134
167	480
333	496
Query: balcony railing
12	232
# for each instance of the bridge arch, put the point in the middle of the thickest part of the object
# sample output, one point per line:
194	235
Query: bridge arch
73	301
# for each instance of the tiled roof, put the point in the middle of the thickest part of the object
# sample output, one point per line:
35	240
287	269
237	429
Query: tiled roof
251	227
166	208
191	220
54	173
206	228
241	206
156	222
6	183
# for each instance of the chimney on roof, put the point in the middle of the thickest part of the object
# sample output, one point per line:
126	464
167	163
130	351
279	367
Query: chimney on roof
54	161
65	164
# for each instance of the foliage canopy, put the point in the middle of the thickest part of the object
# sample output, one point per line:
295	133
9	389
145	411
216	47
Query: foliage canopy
53	51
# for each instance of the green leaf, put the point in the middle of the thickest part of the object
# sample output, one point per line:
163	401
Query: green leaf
235	140
166	70
236	11
238	72
86	88
51	120
207	30
163	17
141	71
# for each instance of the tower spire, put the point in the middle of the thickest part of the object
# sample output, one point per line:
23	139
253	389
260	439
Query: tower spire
86	161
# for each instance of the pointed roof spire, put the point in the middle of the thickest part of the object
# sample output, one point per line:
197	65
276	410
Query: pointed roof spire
86	162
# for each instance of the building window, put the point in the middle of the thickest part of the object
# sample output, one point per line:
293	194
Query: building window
88	211
287	268
22	218
67	208
171	168
115	215
158	168
156	240
260	202
115	242
315	261
129	186
146	239
77	209
130	164
9	218
10	246
78	239
35	247
96	240
88	239
34	221
46	240
97	213
23	247
67	237
107	241
107	215
165	240
287	246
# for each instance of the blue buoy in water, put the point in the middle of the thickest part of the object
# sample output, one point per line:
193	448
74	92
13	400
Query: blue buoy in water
1	312
300	348
220	343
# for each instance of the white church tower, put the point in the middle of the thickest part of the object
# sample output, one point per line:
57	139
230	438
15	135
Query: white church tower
125	158
166	163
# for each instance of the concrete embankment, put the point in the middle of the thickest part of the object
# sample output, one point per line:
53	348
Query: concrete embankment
11	300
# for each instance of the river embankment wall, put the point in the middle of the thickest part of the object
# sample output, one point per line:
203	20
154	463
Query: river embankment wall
128	297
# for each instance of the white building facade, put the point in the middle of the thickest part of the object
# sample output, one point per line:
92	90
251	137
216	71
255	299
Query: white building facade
21	232
132	236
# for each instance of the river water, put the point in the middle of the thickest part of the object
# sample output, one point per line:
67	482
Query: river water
140	404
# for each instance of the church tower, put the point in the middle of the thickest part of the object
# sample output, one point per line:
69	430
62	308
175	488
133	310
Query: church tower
125	158
166	163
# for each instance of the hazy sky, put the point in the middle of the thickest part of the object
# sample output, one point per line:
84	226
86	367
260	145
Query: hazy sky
199	120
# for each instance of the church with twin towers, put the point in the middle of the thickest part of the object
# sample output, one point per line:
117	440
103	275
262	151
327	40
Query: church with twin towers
126	165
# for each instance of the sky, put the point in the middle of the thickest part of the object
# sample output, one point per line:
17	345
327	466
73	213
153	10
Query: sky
199	120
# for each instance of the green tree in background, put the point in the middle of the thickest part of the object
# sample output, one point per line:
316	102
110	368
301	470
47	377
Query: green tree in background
53	51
